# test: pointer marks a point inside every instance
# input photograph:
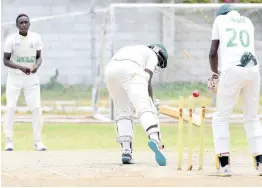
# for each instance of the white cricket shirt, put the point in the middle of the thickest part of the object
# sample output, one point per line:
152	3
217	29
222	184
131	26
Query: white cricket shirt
236	36
23	49
139	54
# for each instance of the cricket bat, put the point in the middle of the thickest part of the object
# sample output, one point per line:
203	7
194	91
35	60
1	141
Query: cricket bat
172	112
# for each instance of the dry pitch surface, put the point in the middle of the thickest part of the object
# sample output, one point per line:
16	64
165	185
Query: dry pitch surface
102	168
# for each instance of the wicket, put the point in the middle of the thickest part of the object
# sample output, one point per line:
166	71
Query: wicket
180	136
189	135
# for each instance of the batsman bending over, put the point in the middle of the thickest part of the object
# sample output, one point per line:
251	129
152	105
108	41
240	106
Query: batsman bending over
128	77
234	34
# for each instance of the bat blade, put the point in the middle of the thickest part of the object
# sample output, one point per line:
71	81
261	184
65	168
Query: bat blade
174	113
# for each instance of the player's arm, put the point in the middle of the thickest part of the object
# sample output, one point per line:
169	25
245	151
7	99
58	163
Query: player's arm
150	90
39	48
150	67
8	62
38	58
213	55
8	49
213	58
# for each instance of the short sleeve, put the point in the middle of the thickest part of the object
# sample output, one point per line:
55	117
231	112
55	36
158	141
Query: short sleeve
8	46
215	31
39	44
152	62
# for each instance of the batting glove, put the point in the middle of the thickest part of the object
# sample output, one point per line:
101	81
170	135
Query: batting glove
213	83
157	104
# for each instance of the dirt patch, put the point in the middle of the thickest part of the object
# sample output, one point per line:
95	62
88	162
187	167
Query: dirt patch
103	168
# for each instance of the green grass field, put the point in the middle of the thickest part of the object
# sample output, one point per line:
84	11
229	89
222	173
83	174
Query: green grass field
102	136
168	93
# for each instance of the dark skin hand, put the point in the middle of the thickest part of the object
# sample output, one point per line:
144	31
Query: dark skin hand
38	61
213	56
150	90
12	65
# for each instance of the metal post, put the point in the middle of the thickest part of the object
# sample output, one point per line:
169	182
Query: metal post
93	45
112	22
94	67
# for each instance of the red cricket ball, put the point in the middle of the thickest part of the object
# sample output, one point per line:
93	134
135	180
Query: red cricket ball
195	93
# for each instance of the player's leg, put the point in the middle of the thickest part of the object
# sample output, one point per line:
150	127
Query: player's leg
13	88
123	112
32	97
250	96
137	90
227	95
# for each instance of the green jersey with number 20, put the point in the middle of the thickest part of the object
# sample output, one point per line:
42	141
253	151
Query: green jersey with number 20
236	36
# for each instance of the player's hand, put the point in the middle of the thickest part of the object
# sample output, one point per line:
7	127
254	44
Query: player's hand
157	103
25	70
34	69
213	83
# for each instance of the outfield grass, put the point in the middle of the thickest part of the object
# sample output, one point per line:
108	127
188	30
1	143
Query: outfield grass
168	93
98	136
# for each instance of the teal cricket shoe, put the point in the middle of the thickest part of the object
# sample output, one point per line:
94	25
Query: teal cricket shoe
157	149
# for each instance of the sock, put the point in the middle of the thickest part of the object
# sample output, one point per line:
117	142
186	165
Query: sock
224	161
155	136
126	146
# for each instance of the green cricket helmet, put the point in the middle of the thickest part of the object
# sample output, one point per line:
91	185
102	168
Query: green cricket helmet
161	53
225	8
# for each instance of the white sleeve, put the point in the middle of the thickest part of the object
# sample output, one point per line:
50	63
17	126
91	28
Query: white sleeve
152	62
8	47
39	44
215	31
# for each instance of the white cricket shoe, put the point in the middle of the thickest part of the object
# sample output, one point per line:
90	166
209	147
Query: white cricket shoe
259	168
224	171
9	146
39	146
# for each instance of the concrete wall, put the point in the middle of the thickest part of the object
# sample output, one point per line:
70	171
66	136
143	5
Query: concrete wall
69	45
67	40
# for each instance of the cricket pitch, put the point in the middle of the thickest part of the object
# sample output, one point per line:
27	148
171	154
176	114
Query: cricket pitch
103	168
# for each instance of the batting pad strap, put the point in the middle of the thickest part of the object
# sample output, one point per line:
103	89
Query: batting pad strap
126	138
124	118
223	154
153	129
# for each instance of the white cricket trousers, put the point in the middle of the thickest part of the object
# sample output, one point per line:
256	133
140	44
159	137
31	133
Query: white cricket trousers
127	84
31	87
234	82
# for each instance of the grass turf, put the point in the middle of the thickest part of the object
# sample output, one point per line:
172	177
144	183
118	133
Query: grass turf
168	93
103	136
